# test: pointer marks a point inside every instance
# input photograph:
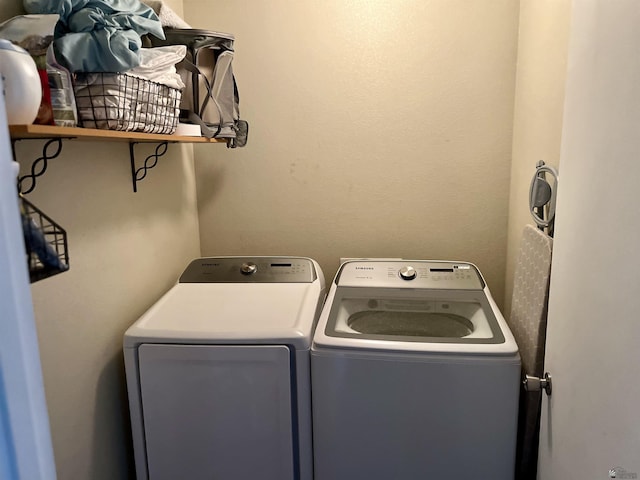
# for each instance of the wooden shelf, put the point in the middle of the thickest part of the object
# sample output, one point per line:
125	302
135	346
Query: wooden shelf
50	131
55	136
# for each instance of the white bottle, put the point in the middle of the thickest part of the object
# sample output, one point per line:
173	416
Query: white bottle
22	87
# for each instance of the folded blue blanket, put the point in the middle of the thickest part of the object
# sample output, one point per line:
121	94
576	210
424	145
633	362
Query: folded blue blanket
99	35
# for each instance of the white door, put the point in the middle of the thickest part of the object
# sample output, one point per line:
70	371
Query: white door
25	442
590	426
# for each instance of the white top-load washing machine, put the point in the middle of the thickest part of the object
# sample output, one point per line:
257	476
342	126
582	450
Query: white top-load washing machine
415	375
218	372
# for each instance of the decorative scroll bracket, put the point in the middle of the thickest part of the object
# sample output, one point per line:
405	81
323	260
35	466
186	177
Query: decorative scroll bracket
137	174
40	164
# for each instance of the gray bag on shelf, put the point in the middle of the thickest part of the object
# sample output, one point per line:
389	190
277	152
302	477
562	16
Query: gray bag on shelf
210	98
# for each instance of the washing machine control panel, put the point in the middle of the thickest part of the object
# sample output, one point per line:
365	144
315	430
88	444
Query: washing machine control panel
250	270
410	274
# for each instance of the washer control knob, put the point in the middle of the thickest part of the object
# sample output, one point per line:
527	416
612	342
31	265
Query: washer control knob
248	268
408	273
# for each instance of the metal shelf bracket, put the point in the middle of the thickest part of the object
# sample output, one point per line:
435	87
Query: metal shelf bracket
138	173
40	164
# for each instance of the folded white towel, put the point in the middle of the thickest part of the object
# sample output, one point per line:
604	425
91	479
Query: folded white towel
168	18
158	65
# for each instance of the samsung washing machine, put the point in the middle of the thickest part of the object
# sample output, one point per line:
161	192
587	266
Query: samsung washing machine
415	375
218	372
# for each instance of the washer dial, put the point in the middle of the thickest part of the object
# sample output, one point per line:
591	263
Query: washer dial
408	273
248	268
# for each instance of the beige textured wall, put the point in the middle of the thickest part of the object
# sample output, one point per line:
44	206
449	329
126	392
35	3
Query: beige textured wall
125	251
377	129
10	8
537	124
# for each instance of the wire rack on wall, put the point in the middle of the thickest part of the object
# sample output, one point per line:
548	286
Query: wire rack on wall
45	242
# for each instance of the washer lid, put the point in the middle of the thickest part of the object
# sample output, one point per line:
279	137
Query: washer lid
246	313
413	306
425	316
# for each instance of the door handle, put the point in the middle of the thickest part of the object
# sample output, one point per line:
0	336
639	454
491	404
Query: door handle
535	384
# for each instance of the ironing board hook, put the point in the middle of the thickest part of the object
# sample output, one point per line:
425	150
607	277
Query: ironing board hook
542	194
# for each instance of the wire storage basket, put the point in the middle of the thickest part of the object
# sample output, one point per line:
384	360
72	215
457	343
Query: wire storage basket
119	101
45	242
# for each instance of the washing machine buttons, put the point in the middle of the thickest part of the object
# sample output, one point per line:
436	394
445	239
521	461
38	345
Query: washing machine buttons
248	268
408	273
